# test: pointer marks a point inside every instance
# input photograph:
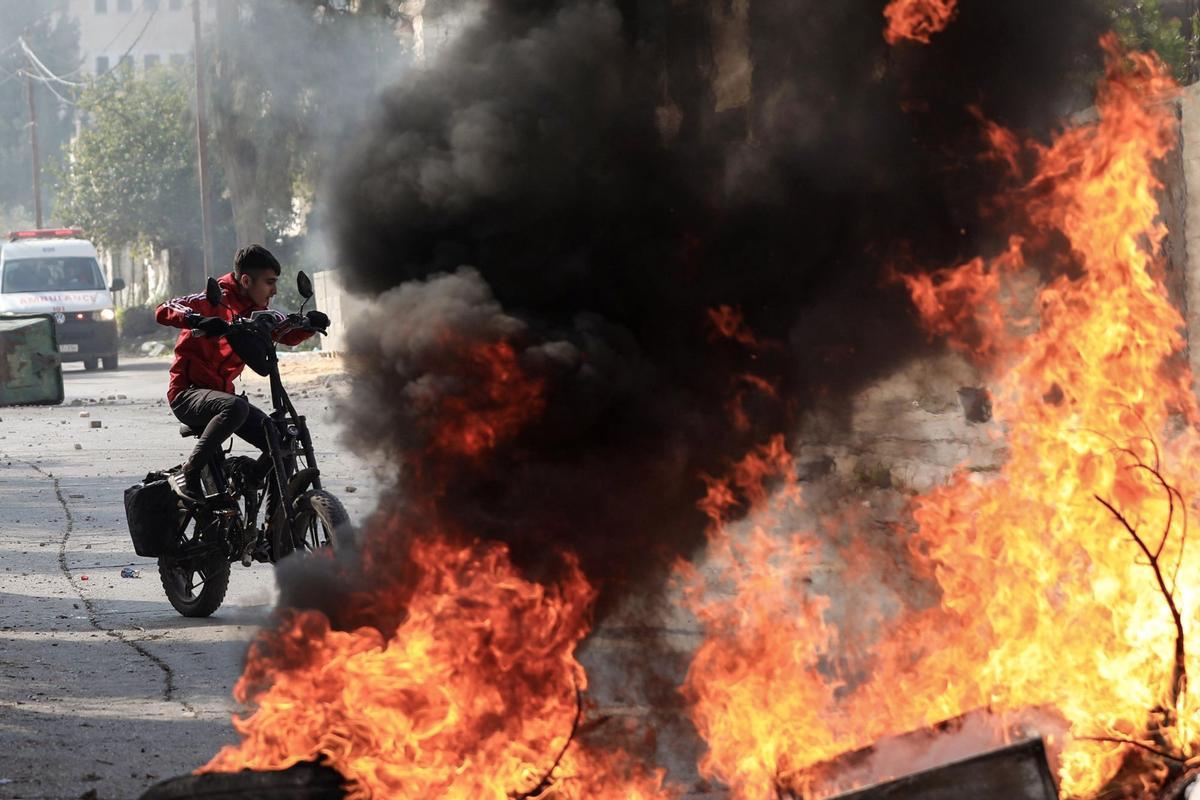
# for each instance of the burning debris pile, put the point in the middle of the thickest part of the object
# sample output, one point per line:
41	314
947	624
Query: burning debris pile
1061	579
602	312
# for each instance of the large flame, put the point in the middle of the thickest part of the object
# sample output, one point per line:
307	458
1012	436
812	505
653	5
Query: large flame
917	20
473	696
1054	576
473	690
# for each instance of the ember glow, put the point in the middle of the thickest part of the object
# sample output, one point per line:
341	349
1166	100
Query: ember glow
917	20
499	401
1048	600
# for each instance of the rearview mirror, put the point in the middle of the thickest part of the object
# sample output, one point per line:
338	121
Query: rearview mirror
304	285
212	292
117	285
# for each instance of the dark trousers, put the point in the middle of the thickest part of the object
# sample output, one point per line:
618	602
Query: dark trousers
219	415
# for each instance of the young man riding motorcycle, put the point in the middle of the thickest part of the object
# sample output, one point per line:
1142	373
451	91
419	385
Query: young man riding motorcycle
200	391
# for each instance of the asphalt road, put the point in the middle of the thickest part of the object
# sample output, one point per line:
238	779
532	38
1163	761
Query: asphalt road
103	686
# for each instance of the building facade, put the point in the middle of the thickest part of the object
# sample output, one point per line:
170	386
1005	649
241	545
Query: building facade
140	34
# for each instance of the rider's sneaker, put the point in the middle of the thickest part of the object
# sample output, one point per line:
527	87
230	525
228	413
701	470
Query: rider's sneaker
262	552
187	486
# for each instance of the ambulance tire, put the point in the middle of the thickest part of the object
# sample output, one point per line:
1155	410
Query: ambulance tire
110	362
91	364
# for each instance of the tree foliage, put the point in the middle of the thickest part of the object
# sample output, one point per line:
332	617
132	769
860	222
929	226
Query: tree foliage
288	78
54	36
134	172
1145	25
132	178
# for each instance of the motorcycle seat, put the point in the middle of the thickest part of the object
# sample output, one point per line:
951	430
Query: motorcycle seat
187	430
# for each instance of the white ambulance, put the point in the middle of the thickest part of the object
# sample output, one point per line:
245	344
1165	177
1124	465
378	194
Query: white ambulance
55	271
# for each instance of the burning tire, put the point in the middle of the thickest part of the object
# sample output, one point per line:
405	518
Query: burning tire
196	584
304	781
320	518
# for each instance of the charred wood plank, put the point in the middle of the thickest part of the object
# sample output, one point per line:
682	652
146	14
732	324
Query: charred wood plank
1016	772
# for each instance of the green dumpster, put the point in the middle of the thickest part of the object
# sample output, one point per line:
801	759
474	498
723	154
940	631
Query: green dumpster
30	370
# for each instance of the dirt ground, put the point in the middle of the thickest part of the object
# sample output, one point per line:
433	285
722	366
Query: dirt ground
303	368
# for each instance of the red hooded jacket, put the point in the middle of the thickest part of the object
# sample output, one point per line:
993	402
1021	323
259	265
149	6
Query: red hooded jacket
208	362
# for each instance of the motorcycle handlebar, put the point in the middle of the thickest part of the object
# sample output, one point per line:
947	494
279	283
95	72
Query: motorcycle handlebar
250	324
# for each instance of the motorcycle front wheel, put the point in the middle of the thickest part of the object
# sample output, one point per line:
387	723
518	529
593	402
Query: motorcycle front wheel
319	518
196	585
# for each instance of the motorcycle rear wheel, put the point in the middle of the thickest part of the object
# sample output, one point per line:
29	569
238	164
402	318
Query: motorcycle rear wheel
196	588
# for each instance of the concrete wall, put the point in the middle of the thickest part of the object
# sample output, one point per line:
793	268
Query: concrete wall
332	298
1184	243
145	274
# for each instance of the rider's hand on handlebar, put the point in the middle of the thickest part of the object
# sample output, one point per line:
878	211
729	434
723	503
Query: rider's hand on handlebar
318	320
212	326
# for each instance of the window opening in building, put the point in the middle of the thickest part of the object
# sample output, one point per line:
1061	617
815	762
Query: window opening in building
101	6
124	5
151	5
101	65
175	5
151	61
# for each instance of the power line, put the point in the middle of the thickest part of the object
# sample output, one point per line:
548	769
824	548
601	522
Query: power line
9	76
137	39
121	32
37	62
47	77
49	86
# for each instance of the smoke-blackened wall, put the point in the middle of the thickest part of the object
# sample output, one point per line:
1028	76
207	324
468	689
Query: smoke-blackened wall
560	179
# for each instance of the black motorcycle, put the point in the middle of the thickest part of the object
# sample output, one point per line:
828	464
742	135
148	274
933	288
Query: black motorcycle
196	543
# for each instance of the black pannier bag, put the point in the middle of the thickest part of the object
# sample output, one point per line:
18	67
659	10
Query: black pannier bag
151	509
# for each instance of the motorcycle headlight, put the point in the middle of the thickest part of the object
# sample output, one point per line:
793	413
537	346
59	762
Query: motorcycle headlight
104	315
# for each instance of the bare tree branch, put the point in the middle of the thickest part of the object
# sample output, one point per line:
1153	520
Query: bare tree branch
1121	740
1179	676
548	778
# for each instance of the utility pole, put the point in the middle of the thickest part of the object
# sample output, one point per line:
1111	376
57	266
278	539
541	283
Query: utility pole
33	145
201	141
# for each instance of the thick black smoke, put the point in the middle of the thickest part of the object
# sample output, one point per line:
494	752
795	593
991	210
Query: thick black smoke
567	177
